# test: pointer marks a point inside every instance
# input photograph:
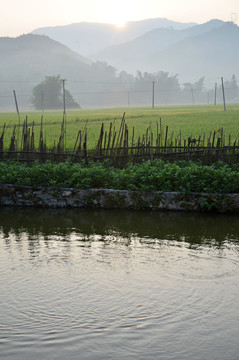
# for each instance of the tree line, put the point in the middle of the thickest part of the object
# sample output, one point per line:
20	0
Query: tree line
49	93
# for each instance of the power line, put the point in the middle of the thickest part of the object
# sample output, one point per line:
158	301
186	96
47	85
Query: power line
20	81
156	91
119	82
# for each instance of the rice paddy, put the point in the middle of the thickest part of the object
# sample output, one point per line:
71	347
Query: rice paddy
189	121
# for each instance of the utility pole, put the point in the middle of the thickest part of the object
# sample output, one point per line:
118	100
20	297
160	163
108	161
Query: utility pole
64	110
42	101
223	95
215	95
153	96
18	114
15	98
64	97
192	96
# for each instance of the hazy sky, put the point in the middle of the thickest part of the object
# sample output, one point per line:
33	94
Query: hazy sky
22	16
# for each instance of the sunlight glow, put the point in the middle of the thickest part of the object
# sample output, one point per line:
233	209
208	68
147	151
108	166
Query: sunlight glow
118	13
43	13
120	24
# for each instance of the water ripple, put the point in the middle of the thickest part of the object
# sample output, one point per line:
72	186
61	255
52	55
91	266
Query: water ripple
114	296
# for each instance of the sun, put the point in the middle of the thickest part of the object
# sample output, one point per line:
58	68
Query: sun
118	13
118	20
120	24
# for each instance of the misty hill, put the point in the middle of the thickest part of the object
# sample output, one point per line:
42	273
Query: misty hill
212	54
30	57
149	43
86	38
210	49
26	60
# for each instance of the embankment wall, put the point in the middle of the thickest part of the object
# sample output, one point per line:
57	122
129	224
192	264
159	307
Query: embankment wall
26	196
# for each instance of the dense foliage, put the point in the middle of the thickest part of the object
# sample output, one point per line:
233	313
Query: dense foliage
148	176
49	95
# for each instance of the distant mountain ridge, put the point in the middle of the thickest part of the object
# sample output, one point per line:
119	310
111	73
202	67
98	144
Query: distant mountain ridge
153	41
190	50
32	57
26	60
210	49
86	38
38	43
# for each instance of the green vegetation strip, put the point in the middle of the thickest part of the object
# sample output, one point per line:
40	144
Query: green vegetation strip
148	176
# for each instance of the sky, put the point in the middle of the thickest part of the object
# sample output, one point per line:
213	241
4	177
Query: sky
19	17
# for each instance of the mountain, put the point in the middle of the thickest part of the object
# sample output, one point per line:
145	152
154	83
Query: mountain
210	49
212	54
33	56
86	38
25	61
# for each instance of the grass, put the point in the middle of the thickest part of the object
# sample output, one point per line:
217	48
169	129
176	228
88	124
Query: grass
190	120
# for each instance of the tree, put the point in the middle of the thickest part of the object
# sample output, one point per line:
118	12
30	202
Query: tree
194	92
167	88
49	95
231	89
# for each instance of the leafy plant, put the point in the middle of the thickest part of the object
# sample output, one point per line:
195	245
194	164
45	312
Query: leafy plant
149	176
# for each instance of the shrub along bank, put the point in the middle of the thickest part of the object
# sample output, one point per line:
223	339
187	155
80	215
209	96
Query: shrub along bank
152	176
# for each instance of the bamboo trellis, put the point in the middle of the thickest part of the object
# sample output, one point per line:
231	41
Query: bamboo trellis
119	147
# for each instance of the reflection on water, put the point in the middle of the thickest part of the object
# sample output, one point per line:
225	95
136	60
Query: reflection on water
83	284
193	228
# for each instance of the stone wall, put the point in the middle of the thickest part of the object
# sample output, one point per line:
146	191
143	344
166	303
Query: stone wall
14	195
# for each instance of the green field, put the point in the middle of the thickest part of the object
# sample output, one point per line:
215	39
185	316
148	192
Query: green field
190	120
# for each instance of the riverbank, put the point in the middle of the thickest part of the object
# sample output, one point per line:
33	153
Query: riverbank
54	197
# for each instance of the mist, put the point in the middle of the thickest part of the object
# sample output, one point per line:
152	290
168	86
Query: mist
151	61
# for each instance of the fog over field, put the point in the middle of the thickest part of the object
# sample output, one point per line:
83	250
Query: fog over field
106	66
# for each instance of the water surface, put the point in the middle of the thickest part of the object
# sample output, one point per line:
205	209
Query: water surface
82	284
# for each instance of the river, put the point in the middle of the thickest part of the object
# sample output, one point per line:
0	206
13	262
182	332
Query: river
88	284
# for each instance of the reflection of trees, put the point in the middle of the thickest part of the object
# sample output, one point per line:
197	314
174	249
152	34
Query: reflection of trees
61	223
